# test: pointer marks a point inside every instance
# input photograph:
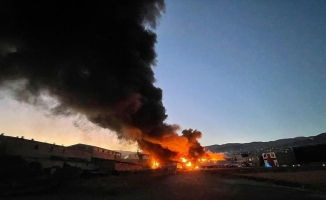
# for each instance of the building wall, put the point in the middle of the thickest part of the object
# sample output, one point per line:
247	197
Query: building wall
310	154
34	149
48	163
124	166
105	154
224	163
237	158
280	158
98	152
285	158
253	161
144	162
270	159
50	155
137	156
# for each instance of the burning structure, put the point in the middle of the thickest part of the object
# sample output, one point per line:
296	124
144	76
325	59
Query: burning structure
92	59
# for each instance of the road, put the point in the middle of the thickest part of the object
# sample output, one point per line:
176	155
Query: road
184	186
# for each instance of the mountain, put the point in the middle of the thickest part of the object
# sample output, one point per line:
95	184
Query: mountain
256	148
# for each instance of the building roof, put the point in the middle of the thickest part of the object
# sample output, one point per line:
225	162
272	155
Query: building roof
87	145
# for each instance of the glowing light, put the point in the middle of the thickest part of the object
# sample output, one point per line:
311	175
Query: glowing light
215	156
179	166
155	164
268	165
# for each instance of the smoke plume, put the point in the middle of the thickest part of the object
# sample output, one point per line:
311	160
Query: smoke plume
93	58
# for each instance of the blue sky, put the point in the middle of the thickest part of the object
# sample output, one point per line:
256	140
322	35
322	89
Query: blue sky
239	71
242	71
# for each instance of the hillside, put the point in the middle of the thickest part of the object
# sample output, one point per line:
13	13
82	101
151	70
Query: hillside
258	147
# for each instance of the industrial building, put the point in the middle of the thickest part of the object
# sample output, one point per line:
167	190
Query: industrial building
139	158
279	159
253	161
85	157
310	154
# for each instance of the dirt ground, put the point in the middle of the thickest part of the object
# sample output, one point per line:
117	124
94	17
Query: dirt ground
315	179
182	185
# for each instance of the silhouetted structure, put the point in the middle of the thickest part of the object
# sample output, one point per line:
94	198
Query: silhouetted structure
310	154
45	155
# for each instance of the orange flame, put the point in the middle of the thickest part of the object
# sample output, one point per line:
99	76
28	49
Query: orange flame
179	166
155	164
215	156
186	162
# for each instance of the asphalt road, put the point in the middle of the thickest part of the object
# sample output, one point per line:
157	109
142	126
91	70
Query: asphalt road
187	185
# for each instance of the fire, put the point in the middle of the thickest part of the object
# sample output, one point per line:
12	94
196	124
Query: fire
155	164
187	164
184	163
190	166
190	163
215	156
179	166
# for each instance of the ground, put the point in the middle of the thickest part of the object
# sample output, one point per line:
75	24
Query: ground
307	179
183	185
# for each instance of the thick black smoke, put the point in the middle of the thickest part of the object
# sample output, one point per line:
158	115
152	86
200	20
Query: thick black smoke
94	57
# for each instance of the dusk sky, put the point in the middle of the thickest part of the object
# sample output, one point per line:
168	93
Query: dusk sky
244	71
238	71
